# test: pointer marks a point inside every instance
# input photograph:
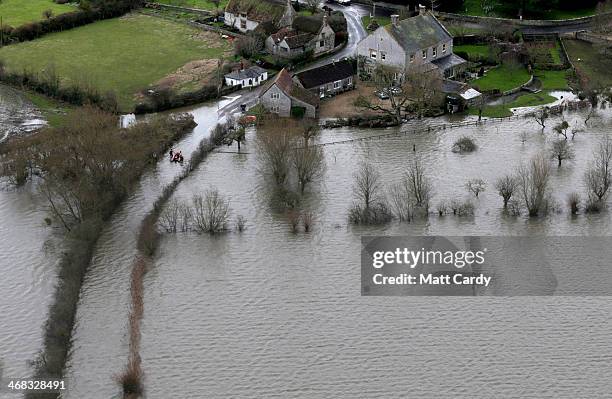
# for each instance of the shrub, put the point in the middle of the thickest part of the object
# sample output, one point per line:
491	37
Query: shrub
210	212
464	144
573	200
298	112
378	213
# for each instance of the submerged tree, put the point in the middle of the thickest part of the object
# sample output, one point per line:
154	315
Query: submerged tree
561	150
476	186
541	116
506	186
308	164
533	181
598	176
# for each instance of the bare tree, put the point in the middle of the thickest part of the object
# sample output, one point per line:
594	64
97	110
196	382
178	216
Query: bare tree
598	177
308	164
533	185
476	186
425	90
419	184
368	187
506	186
210	212
169	218
237	135
274	144
573	200
541	116
561	150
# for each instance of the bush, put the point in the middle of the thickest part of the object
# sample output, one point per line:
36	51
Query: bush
464	144
378	213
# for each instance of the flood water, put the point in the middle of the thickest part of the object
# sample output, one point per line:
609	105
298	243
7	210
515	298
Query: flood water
17	114
269	313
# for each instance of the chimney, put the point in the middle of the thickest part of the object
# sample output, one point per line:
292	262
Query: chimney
325	19
422	9
395	19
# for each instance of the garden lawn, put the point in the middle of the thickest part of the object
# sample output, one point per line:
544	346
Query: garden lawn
553	80
503	78
124	55
382	21
503	110
18	12
200	4
473	50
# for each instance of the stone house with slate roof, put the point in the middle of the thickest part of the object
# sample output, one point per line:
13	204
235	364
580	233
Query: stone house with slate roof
282	94
247	15
305	34
329	79
420	43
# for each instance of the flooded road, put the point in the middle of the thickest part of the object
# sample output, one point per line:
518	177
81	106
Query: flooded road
17	114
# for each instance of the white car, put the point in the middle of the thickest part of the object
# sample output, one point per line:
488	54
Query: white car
344	2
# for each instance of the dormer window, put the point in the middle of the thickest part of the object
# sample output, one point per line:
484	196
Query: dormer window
443	48
434	52
424	54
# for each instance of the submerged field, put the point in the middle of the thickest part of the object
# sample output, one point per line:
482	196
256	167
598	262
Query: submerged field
125	55
18	12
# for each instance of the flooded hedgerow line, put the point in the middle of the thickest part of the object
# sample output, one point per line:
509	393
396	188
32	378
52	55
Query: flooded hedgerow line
131	378
71	165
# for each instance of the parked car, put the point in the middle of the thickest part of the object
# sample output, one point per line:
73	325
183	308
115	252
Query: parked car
344	2
396	91
382	94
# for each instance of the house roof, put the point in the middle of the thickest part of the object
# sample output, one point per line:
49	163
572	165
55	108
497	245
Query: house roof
327	73
258	10
418	32
253	73
285	83
458	88
448	62
311	24
294	38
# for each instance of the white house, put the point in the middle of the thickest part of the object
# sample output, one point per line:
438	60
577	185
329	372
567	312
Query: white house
250	77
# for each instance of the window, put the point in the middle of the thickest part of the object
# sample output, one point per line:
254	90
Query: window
411	57
250	81
396	76
434	52
322	43
275	108
274	96
443	48
350	80
383	55
424	54
373	54
242	24
337	84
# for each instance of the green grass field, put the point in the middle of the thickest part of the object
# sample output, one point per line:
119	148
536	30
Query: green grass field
503	78
503	110
18	12
473	50
382	21
589	61
200	4
552	80
54	112
125	54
